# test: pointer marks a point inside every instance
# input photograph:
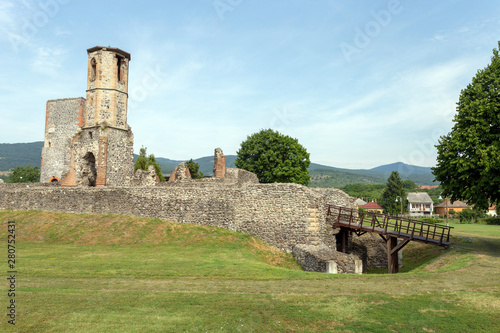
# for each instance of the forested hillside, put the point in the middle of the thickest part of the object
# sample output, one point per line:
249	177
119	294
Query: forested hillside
23	154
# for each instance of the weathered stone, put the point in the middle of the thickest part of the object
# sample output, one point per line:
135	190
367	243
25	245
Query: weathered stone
319	259
145	177
180	172
276	213
219	163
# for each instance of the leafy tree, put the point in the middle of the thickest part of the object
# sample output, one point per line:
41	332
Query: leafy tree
194	168
470	215
366	191
468	161
394	188
28	174
409	185
274	157
144	162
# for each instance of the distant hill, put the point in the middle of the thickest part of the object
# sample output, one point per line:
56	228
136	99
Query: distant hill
20	154
23	154
325	176
403	169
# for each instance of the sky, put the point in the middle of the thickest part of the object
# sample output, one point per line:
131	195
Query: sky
358	83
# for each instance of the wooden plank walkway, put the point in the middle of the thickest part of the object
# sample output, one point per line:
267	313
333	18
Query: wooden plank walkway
390	228
396	226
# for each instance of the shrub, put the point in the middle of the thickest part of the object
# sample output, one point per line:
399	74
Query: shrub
432	220
491	220
470	216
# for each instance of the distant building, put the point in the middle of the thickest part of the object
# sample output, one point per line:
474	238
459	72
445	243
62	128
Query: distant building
457	207
360	202
373	207
420	204
428	187
492	210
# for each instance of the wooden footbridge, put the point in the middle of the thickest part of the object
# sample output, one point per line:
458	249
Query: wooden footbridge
390	228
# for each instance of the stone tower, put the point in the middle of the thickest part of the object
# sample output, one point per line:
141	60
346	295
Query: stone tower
107	88
95	147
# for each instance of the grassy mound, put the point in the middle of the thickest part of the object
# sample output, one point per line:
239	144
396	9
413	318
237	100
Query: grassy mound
108	273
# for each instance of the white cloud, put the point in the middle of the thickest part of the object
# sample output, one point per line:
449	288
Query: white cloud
47	60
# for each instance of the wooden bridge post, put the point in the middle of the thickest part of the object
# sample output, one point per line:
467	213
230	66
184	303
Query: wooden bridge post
343	238
392	255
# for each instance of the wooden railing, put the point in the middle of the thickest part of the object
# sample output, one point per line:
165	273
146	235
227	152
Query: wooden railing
394	225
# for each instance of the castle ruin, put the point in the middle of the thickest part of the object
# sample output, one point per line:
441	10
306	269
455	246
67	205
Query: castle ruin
87	166
87	140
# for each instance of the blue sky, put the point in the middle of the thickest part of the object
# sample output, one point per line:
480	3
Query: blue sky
358	83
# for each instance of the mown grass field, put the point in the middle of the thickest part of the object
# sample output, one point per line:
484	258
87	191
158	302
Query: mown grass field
108	273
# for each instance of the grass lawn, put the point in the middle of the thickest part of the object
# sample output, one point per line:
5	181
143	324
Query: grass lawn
108	273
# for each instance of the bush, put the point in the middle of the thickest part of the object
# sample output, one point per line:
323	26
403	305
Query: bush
432	220
491	220
470	216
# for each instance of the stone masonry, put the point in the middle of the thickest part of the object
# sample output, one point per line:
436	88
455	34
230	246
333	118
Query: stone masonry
63	120
219	163
279	214
88	141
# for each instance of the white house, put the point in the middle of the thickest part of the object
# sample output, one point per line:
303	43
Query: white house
492	210
420	204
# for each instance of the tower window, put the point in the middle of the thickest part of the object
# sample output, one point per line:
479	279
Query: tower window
120	62
93	69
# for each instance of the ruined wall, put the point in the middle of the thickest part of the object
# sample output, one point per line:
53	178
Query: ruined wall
283	215
63	119
101	156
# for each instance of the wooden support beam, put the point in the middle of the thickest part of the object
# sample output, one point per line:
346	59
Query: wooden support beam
392	256
344	240
400	246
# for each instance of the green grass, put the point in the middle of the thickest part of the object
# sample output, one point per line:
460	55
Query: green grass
108	273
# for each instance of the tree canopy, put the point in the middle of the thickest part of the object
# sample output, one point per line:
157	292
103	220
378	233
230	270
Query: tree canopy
194	168
144	162
28	174
274	157
468	159
393	189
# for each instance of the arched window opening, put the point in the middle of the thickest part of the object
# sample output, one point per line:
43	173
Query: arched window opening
89	172
93	69
120	63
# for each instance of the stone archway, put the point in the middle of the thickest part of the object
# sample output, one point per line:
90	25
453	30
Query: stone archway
89	171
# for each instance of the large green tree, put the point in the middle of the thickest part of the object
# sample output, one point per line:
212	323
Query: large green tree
392	191
144	162
468	158
274	157
25	174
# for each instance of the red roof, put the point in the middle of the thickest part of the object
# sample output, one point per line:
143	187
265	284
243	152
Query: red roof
372	205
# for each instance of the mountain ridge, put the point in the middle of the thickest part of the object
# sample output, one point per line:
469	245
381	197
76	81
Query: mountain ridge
23	154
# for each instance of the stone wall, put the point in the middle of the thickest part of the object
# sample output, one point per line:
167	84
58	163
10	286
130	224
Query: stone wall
315	259
282	215
101	156
63	119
